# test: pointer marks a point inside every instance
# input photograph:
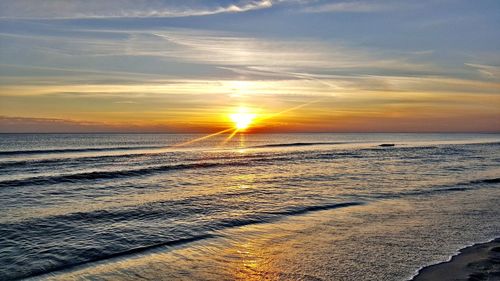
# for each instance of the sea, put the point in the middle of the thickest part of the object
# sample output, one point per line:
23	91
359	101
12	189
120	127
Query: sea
242	207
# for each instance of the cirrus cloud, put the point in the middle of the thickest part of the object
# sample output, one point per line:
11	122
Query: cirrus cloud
81	9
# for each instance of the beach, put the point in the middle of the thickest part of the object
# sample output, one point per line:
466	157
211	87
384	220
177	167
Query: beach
474	263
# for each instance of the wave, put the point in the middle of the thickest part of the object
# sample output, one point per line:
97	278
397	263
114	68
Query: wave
39	272
436	191
266	217
97	149
144	171
102	175
150	170
486	181
112	158
68	150
459	186
306	209
78	221
65	161
487	143
297	144
399	148
244	160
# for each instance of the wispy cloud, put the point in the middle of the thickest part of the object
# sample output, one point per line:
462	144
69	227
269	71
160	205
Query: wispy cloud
9	124
22	124
488	71
212	48
279	66
349	6
80	9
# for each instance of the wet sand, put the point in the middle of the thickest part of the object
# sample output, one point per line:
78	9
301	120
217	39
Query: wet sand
474	263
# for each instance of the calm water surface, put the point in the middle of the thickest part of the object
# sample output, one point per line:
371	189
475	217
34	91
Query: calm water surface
284	207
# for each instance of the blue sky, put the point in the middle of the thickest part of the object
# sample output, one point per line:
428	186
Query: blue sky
184	65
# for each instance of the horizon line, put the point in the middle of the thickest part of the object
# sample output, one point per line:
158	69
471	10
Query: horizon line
262	133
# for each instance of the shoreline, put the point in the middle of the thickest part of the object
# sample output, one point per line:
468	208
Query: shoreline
476	262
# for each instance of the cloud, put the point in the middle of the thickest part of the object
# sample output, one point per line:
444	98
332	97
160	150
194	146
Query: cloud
350	7
224	48
186	61
10	124
205	53
488	71
27	124
81	9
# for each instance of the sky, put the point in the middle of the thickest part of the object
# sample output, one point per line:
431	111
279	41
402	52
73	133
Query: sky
298	65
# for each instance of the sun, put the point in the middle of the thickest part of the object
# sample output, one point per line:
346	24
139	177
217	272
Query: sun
242	119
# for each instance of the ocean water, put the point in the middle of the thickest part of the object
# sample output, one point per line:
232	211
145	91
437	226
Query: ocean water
254	207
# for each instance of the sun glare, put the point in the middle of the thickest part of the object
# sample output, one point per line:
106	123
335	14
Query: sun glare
242	119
